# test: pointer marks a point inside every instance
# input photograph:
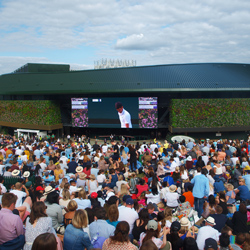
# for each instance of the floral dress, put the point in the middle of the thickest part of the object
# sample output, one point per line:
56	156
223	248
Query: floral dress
43	225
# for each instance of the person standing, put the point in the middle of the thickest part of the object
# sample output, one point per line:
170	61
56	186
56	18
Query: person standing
200	190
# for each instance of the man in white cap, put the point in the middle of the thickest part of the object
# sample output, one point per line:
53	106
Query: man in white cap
207	232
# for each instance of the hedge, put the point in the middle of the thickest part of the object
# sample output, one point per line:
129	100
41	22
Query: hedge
30	112
209	113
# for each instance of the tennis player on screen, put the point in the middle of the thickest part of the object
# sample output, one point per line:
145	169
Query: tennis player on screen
125	117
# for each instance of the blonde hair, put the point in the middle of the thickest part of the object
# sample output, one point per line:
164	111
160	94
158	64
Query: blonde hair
120	178
66	194
58	166
18	185
72	206
168	214
243	180
183	229
124	189
82	194
64	180
229	186
80	219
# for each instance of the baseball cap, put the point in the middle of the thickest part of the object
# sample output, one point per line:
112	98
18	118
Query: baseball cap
39	188
125	197
210	243
28	184
94	195
129	201
175	226
152	224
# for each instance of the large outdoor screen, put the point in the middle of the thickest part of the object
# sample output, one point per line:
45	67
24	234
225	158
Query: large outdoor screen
117	112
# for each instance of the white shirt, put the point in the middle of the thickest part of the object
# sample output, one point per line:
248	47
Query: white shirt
153	198
205	158
104	148
18	151
205	233
4	190
173	166
153	147
24	157
125	118
129	215
20	195
172	199
1	169
119	183
163	192
64	159
101	178
72	189
184	176
234	160
43	165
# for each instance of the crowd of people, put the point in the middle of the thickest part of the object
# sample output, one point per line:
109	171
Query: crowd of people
119	195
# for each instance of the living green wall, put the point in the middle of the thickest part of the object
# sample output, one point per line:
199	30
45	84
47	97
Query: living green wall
209	113
30	112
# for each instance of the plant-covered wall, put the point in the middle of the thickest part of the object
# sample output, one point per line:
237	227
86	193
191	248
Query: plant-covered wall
209	113
30	112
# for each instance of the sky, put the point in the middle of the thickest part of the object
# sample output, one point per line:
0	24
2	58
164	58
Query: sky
79	32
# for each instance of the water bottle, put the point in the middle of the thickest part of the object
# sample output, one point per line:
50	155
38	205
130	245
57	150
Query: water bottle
94	238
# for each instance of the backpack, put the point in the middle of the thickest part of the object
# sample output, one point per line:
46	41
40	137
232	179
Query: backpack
132	183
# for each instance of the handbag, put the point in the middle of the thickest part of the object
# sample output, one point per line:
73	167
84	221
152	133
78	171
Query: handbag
231	208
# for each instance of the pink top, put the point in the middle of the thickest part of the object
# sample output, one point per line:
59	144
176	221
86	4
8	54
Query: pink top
141	188
11	225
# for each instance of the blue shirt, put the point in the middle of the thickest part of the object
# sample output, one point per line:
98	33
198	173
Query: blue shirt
102	228
76	238
201	186
247	180
244	193
218	186
169	179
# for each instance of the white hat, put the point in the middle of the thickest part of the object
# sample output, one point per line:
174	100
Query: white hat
185	222
210	220
79	169
15	172
189	158
26	174
172	188
48	190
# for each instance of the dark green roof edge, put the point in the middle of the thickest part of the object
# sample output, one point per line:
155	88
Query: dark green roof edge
166	78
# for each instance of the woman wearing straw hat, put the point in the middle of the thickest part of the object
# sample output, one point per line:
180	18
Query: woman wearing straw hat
171	198
81	181
79	170
185	230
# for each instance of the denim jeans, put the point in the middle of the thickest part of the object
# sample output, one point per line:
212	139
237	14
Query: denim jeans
198	204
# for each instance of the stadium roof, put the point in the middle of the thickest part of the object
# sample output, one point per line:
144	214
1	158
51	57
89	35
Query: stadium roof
178	77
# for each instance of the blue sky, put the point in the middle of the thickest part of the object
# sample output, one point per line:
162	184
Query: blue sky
79	32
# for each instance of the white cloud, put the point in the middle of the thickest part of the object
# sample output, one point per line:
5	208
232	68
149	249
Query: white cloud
151	32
